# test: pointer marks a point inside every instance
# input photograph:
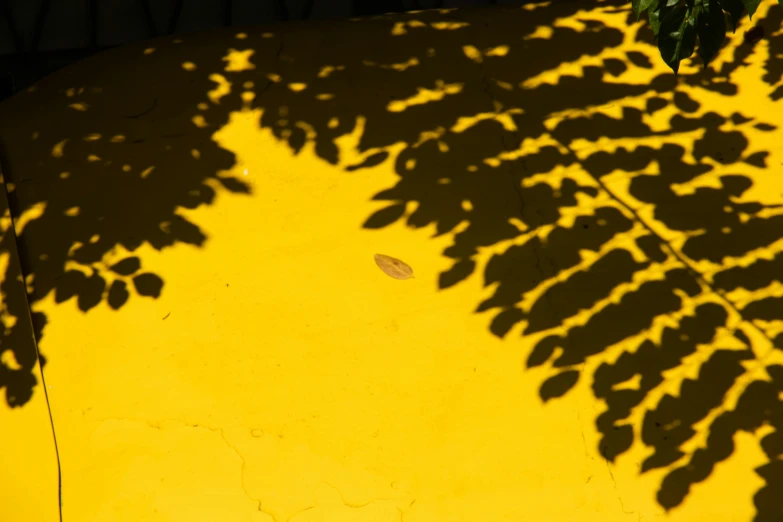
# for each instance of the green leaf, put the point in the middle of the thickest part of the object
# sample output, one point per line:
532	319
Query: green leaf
735	8
688	43
640	6
751	6
712	33
673	27
655	17
677	35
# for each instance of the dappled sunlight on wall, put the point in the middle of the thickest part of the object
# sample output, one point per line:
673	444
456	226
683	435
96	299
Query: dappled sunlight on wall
93	199
617	214
618	228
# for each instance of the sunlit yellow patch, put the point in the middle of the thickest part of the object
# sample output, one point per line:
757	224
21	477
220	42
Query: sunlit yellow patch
472	53
504	85
29	215
500	50
7	357
426	136
326	71
222	89
238	61
449	26
248	97
199	121
406	404
59	148
505	119
426	96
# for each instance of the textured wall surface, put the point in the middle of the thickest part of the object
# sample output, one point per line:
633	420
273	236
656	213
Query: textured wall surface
593	327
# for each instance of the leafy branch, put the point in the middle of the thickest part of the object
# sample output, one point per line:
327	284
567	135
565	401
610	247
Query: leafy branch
678	24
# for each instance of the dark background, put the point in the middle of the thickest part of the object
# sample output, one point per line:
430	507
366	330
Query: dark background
38	37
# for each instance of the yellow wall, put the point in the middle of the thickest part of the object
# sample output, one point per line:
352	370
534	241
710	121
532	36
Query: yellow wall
28	459
589	334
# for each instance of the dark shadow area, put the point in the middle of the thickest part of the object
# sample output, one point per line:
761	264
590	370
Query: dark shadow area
94	171
509	110
17	374
27	29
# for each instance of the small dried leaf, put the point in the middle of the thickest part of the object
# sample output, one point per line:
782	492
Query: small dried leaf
393	267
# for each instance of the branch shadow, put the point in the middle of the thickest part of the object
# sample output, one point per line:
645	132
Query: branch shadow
538	174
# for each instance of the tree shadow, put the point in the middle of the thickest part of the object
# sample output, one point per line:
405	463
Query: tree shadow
93	172
584	273
615	196
18	366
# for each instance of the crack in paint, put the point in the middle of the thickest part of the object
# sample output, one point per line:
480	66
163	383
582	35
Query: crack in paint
160	425
157	426
614	482
355	506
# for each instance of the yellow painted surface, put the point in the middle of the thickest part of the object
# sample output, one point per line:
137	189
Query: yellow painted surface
593	327
28	458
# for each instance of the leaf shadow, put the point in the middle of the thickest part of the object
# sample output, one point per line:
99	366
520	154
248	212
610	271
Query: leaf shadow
615	196
556	177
